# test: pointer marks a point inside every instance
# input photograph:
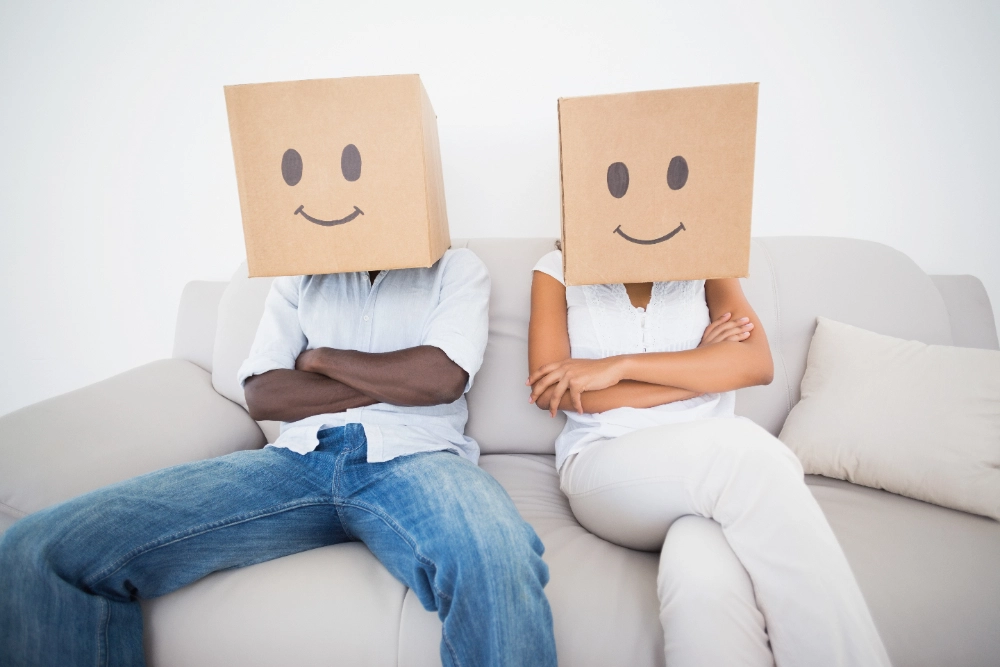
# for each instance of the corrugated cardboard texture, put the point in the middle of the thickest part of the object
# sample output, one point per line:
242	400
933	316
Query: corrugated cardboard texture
657	185
308	206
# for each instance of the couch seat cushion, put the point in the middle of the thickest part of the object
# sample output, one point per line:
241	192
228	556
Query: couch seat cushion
929	575
603	596
334	605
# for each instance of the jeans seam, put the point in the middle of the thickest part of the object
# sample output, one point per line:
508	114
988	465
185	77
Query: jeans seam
347	531
396	528
103	653
451	649
338	470
158	543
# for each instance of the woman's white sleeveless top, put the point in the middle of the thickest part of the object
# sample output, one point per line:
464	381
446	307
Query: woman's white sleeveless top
603	322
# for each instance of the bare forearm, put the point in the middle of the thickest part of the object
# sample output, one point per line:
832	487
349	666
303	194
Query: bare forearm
625	394
289	395
422	375
715	368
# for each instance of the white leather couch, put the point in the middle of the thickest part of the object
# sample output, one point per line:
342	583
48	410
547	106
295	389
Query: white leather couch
931	575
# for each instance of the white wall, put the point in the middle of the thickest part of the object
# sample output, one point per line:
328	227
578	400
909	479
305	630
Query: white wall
118	185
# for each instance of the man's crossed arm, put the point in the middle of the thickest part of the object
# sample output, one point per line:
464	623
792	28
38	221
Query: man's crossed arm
326	380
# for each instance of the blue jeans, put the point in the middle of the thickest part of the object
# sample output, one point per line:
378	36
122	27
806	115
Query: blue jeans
71	575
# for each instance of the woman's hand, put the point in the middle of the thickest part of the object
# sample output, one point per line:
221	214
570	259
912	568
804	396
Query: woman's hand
725	329
575	376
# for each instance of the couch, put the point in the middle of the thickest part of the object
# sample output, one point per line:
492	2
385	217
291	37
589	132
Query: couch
930	574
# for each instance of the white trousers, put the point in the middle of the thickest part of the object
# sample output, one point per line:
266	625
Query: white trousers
766	567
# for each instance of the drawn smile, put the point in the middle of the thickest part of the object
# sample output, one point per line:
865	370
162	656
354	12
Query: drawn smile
666	237
329	223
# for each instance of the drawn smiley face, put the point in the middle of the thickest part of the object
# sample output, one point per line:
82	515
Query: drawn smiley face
350	167
337	175
677	176
657	185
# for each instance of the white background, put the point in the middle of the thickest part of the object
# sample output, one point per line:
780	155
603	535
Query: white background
877	121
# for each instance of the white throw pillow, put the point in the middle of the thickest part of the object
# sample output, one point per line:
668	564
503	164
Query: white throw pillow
919	420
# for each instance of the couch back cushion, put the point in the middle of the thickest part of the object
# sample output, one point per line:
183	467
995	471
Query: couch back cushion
869	285
500	418
240	310
792	281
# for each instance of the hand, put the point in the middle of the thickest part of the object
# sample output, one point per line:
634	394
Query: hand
310	360
575	376
725	329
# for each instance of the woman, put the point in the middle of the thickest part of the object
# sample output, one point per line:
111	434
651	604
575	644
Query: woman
646	373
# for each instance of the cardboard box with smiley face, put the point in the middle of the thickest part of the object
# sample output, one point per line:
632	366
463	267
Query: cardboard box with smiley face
657	185
338	175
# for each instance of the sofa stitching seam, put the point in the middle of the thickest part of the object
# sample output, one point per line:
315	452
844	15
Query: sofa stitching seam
777	317
14	510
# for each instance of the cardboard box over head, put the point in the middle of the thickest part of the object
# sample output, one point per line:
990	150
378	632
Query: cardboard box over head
657	185
338	175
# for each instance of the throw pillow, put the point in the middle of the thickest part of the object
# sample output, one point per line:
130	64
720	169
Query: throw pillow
919	420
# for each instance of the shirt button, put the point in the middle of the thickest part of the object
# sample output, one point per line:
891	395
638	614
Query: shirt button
366	318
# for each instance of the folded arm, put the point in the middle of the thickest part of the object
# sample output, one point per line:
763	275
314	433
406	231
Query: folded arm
422	375
728	358
326	381
548	341
626	393
290	395
723	366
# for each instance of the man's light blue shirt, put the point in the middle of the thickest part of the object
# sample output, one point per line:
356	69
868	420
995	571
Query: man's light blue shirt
445	305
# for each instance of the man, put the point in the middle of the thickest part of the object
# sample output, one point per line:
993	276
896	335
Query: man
367	372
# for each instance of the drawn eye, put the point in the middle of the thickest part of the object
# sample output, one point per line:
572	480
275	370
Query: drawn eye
350	162
618	180
291	166
677	173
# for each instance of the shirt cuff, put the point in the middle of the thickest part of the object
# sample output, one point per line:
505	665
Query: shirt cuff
262	363
462	353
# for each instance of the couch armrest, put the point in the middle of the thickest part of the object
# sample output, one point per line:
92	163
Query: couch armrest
150	417
194	335
968	304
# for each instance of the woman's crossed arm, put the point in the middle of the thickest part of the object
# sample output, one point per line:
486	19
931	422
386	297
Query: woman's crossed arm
728	357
